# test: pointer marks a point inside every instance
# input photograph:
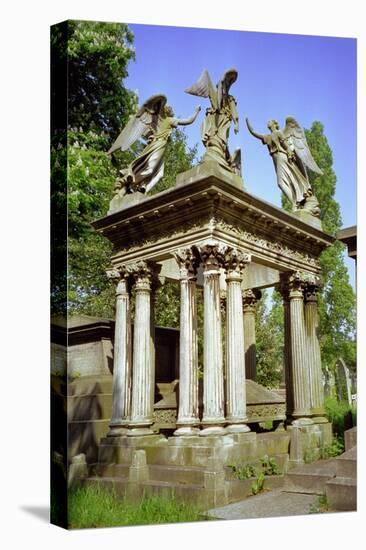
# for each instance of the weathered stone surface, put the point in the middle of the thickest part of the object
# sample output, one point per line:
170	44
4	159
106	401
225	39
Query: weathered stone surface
350	438
273	504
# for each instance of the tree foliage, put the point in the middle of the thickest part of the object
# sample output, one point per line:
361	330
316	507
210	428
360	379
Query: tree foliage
337	303
269	343
94	57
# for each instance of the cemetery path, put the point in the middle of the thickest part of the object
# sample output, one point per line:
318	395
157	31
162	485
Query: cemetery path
301	490
272	504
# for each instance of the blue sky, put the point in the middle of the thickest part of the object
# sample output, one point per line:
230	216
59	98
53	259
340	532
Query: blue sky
308	77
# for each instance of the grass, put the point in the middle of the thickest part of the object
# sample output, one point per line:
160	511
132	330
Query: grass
321	506
94	506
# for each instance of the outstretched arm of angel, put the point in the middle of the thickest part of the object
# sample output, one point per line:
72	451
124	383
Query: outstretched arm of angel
254	133
189	120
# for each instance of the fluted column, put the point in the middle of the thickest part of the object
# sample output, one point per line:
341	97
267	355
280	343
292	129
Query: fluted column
284	290
213	373
299	354
236	417
250	299
121	392
188	419
143	379
313	350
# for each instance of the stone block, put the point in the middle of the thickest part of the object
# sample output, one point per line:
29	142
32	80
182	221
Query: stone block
139	470
207	170
350	438
342	494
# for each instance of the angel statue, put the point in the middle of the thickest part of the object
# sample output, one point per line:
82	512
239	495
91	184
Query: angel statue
155	122
291	158
219	117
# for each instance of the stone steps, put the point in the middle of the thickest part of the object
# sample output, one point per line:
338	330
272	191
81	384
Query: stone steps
310	478
342	493
342	490
347	464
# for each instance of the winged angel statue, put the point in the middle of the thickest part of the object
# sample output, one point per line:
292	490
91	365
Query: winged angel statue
291	158
216	125
154	121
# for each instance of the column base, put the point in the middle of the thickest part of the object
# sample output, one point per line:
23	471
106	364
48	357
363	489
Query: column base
117	431
302	421
144	430
186	431
319	419
213	430
237	428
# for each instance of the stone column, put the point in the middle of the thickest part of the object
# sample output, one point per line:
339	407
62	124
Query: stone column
235	354
250	299
188	419
299	352
213	371
313	348
284	290
121	392
143	379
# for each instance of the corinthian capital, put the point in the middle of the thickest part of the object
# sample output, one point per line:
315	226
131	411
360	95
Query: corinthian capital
188	261
235	261
311	289
212	254
250	299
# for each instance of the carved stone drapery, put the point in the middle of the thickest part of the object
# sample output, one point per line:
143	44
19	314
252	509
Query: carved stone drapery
188	419
250	299
234	263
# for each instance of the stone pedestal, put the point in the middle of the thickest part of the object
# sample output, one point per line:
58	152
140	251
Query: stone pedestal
143	365
213	382
250	299
121	393
235	357
188	420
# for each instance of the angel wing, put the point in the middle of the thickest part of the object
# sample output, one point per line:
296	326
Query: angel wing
204	88
224	84
146	117
296	137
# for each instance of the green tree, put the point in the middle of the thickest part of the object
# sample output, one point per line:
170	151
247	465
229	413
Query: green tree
337	303
269	343
92	58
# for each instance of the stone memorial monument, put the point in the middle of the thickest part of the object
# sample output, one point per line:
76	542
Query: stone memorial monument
208	231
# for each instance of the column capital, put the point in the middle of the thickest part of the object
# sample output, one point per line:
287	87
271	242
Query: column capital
212	254
292	284
250	299
188	262
120	277
311	289
235	262
142	272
